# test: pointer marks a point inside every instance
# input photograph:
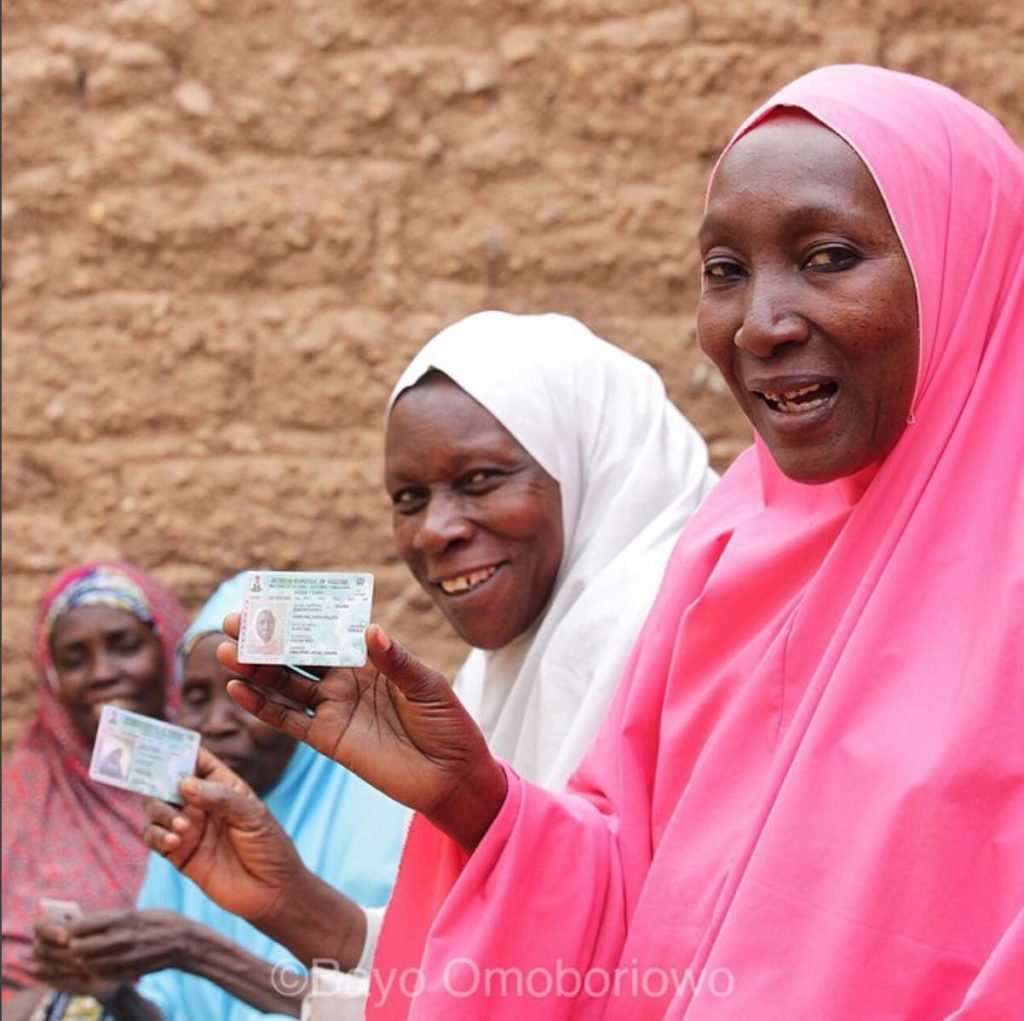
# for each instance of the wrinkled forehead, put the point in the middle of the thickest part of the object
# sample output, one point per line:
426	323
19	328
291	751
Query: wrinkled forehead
790	163
786	141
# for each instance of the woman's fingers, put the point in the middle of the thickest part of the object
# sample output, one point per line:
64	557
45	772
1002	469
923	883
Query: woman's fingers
165	814
209	767
227	656
293	722
52	933
402	668
161	840
100	921
233	624
236	808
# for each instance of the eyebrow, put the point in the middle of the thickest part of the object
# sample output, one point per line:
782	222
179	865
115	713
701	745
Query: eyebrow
75	640
810	214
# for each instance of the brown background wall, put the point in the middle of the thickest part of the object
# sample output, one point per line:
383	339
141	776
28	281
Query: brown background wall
229	223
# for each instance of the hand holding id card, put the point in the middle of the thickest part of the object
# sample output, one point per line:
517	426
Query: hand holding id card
305	618
138	753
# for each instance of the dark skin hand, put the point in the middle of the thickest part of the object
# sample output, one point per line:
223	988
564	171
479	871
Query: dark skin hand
96	954
229	844
60	968
395	723
110	947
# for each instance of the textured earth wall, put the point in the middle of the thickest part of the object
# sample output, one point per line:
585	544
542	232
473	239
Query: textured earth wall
229	223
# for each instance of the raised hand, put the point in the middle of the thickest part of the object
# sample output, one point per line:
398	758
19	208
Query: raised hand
225	840
395	723
229	844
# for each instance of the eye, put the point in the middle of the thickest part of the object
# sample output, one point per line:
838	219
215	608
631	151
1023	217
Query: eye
69	660
720	270
831	257
194	694
409	500
127	643
481	480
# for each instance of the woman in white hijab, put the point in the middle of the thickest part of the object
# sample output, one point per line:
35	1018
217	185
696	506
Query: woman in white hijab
631	470
589	424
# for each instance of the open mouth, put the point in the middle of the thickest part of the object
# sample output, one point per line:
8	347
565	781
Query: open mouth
117	703
799	399
460	584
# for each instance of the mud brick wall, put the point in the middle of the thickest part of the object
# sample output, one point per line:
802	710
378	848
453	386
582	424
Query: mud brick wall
229	223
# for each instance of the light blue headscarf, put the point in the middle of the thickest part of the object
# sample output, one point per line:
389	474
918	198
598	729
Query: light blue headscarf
210	619
345	831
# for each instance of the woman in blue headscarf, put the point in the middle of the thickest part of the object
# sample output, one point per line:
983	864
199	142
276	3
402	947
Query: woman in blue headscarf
195	959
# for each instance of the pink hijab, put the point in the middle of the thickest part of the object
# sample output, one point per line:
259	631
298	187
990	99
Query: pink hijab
807	800
65	836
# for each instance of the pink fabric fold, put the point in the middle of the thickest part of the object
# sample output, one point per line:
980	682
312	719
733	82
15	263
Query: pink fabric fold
807	800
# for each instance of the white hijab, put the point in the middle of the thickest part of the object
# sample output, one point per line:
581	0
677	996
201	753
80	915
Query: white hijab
631	470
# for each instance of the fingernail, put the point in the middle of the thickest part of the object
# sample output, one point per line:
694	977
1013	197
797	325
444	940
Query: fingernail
385	641
190	785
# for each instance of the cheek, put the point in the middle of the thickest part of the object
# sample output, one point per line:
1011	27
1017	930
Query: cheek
147	671
403	531
69	689
714	336
531	515
190	718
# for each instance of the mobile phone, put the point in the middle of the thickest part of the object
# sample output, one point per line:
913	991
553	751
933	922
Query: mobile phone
63	912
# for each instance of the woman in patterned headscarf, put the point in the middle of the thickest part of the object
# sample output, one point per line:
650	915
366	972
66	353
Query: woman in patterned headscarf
106	633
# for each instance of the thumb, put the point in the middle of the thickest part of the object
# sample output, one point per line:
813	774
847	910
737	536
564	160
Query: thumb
231	806
416	681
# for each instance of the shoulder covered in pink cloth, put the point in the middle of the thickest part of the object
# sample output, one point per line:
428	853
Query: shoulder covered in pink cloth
807	800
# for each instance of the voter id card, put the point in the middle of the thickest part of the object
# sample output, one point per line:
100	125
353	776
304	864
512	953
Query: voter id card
305	618
138	753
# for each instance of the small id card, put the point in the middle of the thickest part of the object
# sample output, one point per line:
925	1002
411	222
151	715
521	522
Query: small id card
305	618
138	753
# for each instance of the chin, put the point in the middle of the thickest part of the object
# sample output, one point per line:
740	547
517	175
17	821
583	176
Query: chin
484	636
804	467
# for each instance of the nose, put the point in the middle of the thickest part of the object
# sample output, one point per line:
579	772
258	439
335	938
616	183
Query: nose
443	523
770	318
104	668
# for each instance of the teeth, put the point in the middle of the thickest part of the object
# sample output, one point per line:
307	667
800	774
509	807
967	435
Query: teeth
117	703
787	400
790	407
465	582
788	395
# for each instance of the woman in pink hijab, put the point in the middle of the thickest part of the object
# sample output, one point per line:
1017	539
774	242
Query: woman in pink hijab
807	800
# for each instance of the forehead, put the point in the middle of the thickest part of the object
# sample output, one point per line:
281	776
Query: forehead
437	421
202	657
84	623
792	162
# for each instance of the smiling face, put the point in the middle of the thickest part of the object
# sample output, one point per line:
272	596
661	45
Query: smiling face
476	518
254	750
808	307
102	654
